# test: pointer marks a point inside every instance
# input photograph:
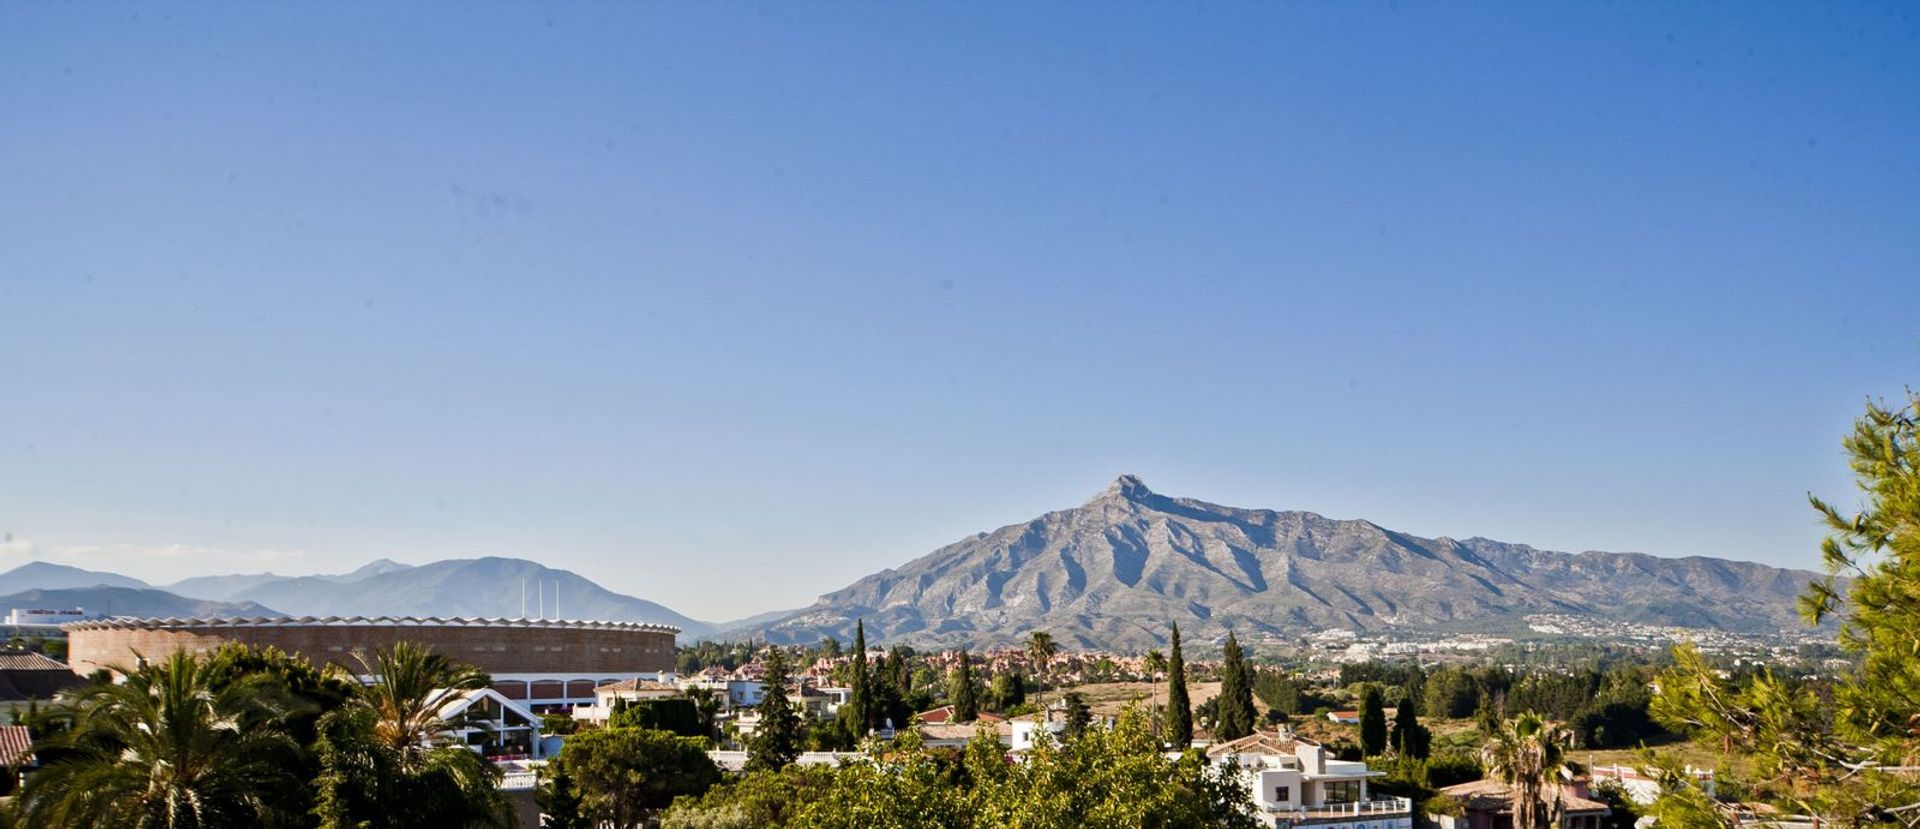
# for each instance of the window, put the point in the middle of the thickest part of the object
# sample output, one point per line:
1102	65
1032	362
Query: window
1282	794
1343	791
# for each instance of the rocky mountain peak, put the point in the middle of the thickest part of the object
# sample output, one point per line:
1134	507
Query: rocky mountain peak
1129	487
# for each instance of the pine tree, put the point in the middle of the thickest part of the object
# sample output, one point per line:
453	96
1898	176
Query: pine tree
1079	715
559	801
1236	717
961	691
776	742
1007	691
1373	722
1179	709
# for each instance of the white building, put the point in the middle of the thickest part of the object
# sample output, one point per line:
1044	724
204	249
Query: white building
492	725
1296	783
609	696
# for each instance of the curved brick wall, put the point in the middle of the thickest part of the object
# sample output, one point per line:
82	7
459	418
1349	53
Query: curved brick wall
498	646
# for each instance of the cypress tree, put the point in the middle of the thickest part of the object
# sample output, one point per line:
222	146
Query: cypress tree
1410	738
859	716
1179	708
1235	718
960	690
776	742
1373	722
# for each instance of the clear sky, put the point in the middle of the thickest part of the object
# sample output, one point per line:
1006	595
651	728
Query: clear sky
727	305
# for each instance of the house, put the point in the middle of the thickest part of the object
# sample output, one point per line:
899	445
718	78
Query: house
1024	732
734	692
608	697
938	716
491	724
1643	787
1344	717
16	747
1296	783
1488	804
958	735
26	675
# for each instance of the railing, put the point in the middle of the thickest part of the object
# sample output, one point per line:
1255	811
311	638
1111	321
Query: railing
519	781
1364	808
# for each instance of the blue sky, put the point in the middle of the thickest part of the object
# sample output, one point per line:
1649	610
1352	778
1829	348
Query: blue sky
727	305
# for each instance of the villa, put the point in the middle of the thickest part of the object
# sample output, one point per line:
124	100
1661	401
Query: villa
1296	783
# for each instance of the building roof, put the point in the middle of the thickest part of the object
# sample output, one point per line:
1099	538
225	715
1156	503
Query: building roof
16	746
1259	742
19	660
638	684
453	703
174	623
27	675
1494	796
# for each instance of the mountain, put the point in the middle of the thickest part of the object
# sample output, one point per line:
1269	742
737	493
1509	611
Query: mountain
1113	571
128	601
221	588
461	587
44	575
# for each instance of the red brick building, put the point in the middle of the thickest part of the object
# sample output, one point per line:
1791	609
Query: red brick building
542	662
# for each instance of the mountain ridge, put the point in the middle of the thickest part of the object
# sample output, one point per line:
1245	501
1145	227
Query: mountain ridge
1090	574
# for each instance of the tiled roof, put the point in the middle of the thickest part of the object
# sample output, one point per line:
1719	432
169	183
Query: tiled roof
1495	796
14	660
1259	742
638	684
16	746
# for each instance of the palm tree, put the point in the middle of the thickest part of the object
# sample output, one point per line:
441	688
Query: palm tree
1040	651
411	683
1529	755
1156	663
168	747
389	757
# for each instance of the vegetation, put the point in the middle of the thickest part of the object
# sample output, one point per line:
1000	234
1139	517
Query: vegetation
858	713
1842	750
624	776
962	691
1040	651
1107	777
1410	738
254	737
1179	708
776	741
1529	755
170	748
1234	712
1373	722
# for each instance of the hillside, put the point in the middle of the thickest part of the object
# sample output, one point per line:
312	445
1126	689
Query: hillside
127	601
1114	570
460	587
45	575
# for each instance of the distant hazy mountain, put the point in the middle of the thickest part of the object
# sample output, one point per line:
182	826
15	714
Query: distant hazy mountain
221	588
1115	570
43	575
460	587
127	601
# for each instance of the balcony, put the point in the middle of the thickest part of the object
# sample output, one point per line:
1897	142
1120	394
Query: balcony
1387	808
